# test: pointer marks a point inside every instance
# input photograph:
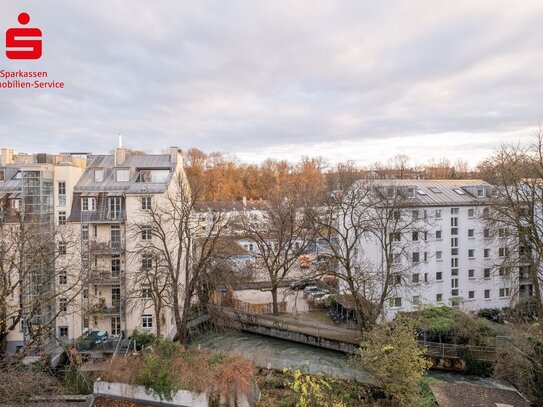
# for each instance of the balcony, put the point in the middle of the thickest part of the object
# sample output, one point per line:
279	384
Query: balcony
103	216
100	308
104	277
97	247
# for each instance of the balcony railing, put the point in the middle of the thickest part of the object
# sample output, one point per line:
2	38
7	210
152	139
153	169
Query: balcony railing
98	247
105	277
102	309
103	216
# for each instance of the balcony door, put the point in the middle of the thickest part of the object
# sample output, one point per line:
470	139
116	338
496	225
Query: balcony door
115	207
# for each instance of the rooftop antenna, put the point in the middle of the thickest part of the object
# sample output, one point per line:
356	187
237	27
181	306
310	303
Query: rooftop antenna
120	140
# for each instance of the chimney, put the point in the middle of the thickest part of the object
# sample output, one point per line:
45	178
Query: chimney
6	156
244	199
120	156
173	154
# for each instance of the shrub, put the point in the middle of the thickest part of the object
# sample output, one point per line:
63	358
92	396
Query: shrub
492	314
142	339
392	354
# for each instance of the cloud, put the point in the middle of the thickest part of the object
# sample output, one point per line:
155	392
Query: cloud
350	79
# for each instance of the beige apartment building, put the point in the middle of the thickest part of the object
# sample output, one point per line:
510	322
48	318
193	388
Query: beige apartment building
89	202
114	194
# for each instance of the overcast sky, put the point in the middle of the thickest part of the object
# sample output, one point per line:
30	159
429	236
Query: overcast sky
360	80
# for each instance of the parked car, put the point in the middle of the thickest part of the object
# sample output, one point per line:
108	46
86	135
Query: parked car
299	285
318	296
98	336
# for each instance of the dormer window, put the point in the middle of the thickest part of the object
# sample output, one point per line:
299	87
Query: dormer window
88	204
152	175
122	175
98	175
18	175
480	192
390	192
411	192
16	204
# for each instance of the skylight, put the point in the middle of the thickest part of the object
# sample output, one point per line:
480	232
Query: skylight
421	192
435	190
459	191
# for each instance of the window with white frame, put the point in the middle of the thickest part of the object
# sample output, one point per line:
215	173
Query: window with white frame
471	232
438	234
471	253
504	292
486	233
486	253
471	213
145	203
146	233
416	257
63	278
439	297
487	294
62	248
471	295
455	211
122	175
146	291
438	213
63	304
98	175
439	276
146	261
61	188
85	232
471	273
147	321
88	204
61	217
486	273
63	332
439	255
395	302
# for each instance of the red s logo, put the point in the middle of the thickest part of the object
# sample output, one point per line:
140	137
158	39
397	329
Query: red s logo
26	48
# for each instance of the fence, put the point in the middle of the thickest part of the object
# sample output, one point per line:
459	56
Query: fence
258	308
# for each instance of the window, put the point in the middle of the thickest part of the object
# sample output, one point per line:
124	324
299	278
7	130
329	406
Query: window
416	299
486	211
16	204
415	236
425	257
435	190
455	211
62	217
415	215
85	293
63	278
63	332
425	236
98	175
502	232
471	294
416	278
61	193
145	203
95	231
504	292
146	262
454	272
471	213
439	297
438	234
397	258
504	271
471	253
486	233
438	213
146	233
115	265
454	262
395	236
2	175
85	262
395	302
390	192
486	273
62	248
147	321
459	191
439	276
454	221
63	304
416	257
471	232
122	175
486	253
454	251
487	294
454	292
480	192
503	251
439	255
146	292
85	232
454	231
421	192
88	204
454	283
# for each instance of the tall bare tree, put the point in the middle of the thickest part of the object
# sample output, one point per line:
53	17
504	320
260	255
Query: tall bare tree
281	236
516	215
369	215
40	276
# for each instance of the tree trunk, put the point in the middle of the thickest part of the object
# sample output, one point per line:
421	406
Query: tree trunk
275	305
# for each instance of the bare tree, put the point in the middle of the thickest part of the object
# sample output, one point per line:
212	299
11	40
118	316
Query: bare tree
180	247
40	276
377	217
281	237
400	163
516	216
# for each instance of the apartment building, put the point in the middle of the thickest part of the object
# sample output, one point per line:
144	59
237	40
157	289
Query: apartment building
449	256
37	189
115	192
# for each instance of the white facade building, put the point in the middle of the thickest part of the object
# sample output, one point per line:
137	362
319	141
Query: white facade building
450	257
